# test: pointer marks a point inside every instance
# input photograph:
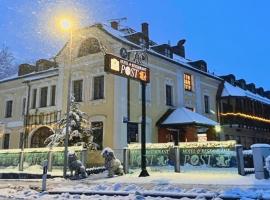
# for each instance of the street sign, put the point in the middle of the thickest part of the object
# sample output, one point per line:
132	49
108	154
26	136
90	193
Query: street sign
126	68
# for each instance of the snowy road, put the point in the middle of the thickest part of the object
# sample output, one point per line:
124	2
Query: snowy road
199	184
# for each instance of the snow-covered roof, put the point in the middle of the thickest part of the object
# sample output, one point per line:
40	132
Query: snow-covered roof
260	146
230	90
177	59
32	76
181	116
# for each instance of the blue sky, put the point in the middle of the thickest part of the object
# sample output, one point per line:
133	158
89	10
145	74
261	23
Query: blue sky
231	36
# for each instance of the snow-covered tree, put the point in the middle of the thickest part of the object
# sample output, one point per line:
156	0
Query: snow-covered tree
80	132
6	62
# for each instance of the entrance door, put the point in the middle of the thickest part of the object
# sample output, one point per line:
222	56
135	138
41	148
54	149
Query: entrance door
39	137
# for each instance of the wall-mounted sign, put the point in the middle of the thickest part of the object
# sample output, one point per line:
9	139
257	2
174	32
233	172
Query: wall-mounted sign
125	68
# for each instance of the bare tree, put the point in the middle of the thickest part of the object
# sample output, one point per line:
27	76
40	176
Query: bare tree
6	62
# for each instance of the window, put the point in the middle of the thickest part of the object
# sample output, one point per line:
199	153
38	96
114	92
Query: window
98	133
187	82
89	46
6	141
98	87
43	96
34	98
77	90
206	104
23	106
53	89
169	95
8	109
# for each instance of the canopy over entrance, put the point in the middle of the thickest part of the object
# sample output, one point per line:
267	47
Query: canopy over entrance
183	116
184	125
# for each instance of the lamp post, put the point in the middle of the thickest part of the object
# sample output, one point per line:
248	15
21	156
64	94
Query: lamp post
66	25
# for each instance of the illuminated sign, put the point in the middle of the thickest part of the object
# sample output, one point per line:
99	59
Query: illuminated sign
125	68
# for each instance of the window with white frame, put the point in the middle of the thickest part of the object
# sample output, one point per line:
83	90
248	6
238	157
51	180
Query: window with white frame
97	127
43	96
187	82
78	90
169	95
98	87
53	90
206	104
8	109
34	98
23	105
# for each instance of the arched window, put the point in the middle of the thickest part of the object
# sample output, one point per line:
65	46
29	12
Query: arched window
89	46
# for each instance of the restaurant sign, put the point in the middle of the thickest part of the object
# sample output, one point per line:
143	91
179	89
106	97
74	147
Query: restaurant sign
126	68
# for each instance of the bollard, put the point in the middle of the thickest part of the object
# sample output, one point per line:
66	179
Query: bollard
50	161
84	156
126	160
21	161
177	159
44	175
240	159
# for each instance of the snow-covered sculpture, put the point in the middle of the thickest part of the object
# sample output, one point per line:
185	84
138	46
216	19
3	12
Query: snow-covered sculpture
76	165
112	164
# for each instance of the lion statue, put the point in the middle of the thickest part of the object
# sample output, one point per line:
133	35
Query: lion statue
112	164
76	165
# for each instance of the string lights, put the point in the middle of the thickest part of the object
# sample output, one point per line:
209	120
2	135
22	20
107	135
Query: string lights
246	116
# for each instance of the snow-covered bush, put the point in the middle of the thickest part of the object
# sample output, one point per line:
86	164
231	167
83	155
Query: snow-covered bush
80	132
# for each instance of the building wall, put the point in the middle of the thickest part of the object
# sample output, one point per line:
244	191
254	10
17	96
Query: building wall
113	108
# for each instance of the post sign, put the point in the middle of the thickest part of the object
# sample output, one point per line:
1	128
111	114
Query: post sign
126	68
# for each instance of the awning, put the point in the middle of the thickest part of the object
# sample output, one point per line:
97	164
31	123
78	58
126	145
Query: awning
183	116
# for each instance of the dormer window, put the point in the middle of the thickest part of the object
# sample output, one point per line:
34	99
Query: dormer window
142	41
89	46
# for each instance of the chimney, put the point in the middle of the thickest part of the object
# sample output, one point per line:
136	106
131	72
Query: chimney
114	25
145	32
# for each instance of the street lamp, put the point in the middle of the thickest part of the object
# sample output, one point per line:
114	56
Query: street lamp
66	25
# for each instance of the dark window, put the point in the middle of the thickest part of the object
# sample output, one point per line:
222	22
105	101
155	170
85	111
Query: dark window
53	89
8	109
187	82
6	141
133	132
206	104
23	106
34	98
43	96
98	134
169	95
77	90
89	46
99	87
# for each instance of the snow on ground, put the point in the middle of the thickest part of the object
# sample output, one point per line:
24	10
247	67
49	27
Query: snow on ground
196	182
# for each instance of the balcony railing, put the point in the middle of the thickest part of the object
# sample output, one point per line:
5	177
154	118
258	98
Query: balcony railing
245	122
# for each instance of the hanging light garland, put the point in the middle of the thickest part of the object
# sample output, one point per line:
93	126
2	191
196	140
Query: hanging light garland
246	116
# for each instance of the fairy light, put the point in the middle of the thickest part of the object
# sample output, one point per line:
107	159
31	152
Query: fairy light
246	116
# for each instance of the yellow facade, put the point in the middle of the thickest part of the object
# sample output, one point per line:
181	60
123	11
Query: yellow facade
113	108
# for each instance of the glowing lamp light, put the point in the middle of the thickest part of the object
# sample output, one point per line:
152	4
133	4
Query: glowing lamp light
65	24
247	116
217	128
